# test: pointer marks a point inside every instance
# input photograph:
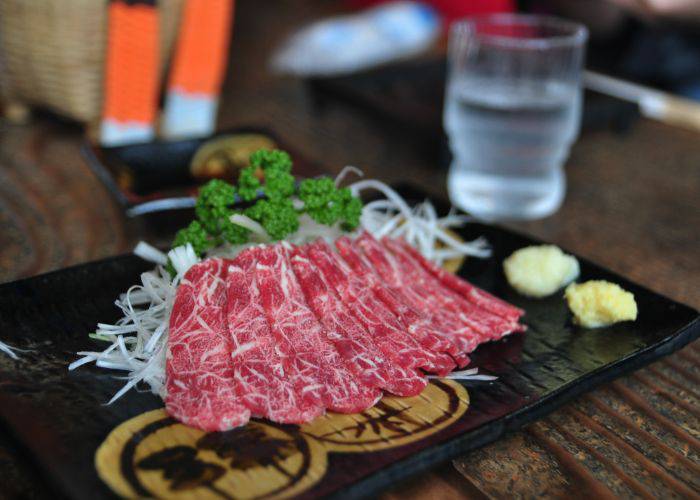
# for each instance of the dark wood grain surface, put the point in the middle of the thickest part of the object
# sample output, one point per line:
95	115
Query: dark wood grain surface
633	205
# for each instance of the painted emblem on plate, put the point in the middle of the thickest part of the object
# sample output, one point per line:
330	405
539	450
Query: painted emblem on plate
154	455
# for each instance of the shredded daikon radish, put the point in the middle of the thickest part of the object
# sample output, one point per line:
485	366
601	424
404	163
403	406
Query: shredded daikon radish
150	253
182	258
251	225
348	169
10	351
310	230
470	374
138	341
419	226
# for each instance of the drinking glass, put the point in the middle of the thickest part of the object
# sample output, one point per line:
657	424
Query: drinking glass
512	112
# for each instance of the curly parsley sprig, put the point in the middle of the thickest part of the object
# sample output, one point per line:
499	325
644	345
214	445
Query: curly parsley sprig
274	201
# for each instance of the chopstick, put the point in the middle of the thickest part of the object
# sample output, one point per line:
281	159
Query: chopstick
653	104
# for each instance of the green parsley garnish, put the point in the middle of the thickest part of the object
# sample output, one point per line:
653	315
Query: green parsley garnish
273	200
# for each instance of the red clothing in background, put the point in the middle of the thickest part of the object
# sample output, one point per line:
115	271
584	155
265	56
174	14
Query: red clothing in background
454	9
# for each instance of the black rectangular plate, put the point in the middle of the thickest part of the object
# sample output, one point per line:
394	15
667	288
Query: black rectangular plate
161	169
60	418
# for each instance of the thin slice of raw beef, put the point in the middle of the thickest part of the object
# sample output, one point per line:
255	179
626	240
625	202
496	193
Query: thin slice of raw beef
414	292
293	322
199	373
355	347
420	324
491	326
386	329
470	292
353	342
259	373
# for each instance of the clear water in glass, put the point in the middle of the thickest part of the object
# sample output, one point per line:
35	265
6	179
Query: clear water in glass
512	112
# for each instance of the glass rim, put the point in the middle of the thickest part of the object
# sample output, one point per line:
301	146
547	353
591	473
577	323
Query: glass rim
577	32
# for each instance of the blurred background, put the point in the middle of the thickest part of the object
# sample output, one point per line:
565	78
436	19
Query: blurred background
264	76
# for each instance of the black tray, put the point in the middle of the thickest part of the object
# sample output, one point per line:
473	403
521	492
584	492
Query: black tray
60	418
152	176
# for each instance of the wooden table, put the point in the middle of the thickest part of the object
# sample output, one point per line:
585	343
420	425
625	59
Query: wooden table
633	205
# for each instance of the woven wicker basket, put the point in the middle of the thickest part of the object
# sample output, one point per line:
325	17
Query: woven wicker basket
52	52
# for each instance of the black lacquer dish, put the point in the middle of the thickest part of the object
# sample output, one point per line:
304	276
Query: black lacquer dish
60	417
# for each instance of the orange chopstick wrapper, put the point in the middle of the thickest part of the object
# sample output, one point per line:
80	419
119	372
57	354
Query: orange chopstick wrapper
198	69
131	73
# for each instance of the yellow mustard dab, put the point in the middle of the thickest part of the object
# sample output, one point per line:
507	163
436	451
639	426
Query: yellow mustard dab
599	303
540	270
